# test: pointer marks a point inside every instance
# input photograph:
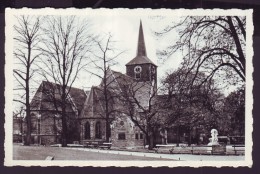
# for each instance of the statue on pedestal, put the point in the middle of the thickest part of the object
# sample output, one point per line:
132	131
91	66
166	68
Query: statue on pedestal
214	137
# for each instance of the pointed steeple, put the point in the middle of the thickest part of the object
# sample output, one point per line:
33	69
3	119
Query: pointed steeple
141	55
141	50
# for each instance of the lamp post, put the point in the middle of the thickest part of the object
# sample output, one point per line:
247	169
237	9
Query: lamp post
39	128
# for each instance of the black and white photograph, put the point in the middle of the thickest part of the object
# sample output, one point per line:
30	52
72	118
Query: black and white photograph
128	87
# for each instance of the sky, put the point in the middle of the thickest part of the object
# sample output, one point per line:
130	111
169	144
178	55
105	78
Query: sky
124	28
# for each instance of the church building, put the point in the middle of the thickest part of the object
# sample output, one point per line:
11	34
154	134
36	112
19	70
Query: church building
123	132
86	108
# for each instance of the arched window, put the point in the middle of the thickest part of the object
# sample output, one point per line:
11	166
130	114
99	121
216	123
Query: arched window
98	130
87	130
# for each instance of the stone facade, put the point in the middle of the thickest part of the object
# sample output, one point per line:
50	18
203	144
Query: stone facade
146	74
93	129
125	134
46	114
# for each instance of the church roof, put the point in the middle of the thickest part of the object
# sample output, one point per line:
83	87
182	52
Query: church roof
141	55
140	60
43	100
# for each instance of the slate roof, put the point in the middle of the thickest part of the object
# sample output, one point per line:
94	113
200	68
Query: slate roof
140	60
78	96
42	98
121	78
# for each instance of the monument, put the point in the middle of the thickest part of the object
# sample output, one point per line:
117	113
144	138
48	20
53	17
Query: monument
214	137
215	146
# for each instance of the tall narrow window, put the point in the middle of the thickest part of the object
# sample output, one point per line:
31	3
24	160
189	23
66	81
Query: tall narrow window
87	130
136	136
98	130
141	136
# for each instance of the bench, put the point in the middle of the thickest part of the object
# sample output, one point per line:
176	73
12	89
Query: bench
240	148
169	147
201	149
105	145
92	144
214	149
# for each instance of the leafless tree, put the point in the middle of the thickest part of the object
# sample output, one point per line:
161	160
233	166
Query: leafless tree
27	37
213	44
143	106
103	57
65	49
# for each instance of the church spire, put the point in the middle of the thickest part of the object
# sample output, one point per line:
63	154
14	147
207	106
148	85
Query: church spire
141	50
141	55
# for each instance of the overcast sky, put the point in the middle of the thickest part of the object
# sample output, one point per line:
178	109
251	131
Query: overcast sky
125	30
124	26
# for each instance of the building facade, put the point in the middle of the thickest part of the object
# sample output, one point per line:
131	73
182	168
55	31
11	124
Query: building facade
123	132
86	111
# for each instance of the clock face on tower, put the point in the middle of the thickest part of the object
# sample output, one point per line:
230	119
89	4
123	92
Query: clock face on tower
138	69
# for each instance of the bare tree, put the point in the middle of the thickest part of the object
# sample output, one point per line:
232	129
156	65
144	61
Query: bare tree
213	44
27	37
65	48
104	56
143	106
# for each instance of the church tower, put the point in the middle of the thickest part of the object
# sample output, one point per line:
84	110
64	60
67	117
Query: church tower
141	67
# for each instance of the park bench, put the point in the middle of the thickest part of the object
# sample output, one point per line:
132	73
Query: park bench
238	148
169	147
87	144
105	146
214	149
201	149
92	144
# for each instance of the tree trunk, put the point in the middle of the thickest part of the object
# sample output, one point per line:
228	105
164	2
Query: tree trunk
27	100
107	130
150	140
55	130
64	128
151	144
63	118
106	100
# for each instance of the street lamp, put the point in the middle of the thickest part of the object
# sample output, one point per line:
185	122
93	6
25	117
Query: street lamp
39	128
